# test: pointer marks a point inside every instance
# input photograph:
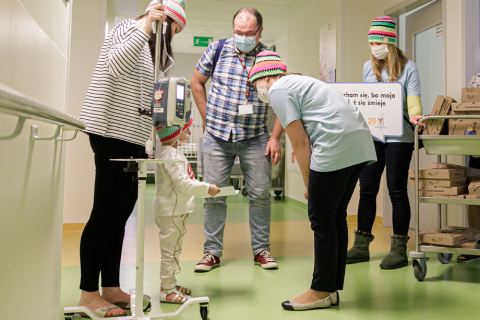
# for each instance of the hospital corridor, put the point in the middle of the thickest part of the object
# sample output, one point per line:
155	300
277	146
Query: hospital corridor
227	159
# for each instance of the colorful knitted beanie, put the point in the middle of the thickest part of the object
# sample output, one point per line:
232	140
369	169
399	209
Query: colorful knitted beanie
267	64
170	133
383	31
175	9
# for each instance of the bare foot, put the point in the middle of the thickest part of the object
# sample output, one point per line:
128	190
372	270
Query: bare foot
310	296
115	294
93	301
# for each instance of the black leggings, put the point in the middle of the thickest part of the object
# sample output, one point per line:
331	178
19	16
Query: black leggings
396	156
114	199
328	196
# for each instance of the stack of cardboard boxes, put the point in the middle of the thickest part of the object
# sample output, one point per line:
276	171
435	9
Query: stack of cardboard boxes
470	105
441	180
452	237
445	180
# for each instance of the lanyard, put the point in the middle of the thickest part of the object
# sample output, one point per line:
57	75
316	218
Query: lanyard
245	68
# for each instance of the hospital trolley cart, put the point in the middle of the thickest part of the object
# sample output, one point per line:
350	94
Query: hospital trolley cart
136	295
440	145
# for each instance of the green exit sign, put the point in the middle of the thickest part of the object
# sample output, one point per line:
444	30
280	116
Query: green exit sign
202	41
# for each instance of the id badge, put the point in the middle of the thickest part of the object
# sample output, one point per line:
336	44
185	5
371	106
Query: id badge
244	109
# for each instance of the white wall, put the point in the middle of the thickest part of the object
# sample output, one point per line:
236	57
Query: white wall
34	53
354	19
88	33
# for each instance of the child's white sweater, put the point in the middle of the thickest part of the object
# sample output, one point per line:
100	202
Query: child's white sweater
176	185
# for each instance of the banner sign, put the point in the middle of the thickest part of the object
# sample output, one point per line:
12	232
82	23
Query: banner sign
381	104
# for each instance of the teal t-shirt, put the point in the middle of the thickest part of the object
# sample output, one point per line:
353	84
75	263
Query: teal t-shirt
338	133
410	81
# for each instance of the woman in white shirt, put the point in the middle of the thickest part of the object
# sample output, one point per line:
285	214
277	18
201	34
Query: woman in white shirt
332	144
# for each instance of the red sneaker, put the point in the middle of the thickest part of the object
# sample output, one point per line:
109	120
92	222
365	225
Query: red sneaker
265	260
208	262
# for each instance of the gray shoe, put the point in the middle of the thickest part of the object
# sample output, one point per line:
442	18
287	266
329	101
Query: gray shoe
360	252
397	258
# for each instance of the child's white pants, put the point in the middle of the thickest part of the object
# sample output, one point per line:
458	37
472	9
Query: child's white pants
172	230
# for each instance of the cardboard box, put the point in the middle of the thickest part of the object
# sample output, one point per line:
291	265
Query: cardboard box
461	108
472	244
438	173
470	172
460	196
474	231
470	94
441	107
455	182
472	197
453	191
474	186
461	127
448	236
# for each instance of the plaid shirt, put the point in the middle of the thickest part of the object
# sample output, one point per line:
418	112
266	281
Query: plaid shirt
228	91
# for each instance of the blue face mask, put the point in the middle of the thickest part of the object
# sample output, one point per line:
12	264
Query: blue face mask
245	44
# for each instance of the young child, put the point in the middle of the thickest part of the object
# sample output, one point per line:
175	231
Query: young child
173	202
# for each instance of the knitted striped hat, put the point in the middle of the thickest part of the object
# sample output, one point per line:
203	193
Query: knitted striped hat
383	31
267	64
170	133
175	9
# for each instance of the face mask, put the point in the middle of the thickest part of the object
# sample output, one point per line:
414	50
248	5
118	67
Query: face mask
184	138
245	44
380	52
263	93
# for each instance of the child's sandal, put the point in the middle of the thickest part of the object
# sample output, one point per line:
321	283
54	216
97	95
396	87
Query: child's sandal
178	298
184	290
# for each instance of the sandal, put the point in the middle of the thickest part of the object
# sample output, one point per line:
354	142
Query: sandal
184	290
464	258
146	303
178	298
102	312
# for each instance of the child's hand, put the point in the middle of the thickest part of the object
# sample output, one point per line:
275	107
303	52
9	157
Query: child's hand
213	190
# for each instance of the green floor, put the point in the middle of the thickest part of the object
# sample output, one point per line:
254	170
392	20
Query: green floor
240	290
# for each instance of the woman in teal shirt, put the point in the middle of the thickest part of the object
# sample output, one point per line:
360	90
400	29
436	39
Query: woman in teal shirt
388	64
332	144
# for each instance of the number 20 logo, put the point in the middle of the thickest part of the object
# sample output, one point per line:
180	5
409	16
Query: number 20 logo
372	120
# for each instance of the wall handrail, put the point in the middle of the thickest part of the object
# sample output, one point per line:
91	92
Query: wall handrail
18	104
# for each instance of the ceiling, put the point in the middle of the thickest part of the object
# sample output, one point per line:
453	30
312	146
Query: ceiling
213	18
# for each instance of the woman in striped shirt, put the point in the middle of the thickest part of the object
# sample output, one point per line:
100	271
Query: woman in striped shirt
122	82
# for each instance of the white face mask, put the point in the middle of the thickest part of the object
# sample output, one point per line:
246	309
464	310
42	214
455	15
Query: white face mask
380	52
263	93
184	138
245	44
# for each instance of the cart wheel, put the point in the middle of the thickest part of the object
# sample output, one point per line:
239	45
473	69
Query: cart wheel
204	311
444	257
244	191
278	193
418	272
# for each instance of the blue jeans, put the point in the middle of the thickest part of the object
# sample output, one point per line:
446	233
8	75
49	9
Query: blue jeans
218	157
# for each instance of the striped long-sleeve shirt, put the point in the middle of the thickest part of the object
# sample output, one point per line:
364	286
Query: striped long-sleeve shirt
121	83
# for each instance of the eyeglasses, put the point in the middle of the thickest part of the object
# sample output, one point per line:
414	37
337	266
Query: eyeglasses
249	34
